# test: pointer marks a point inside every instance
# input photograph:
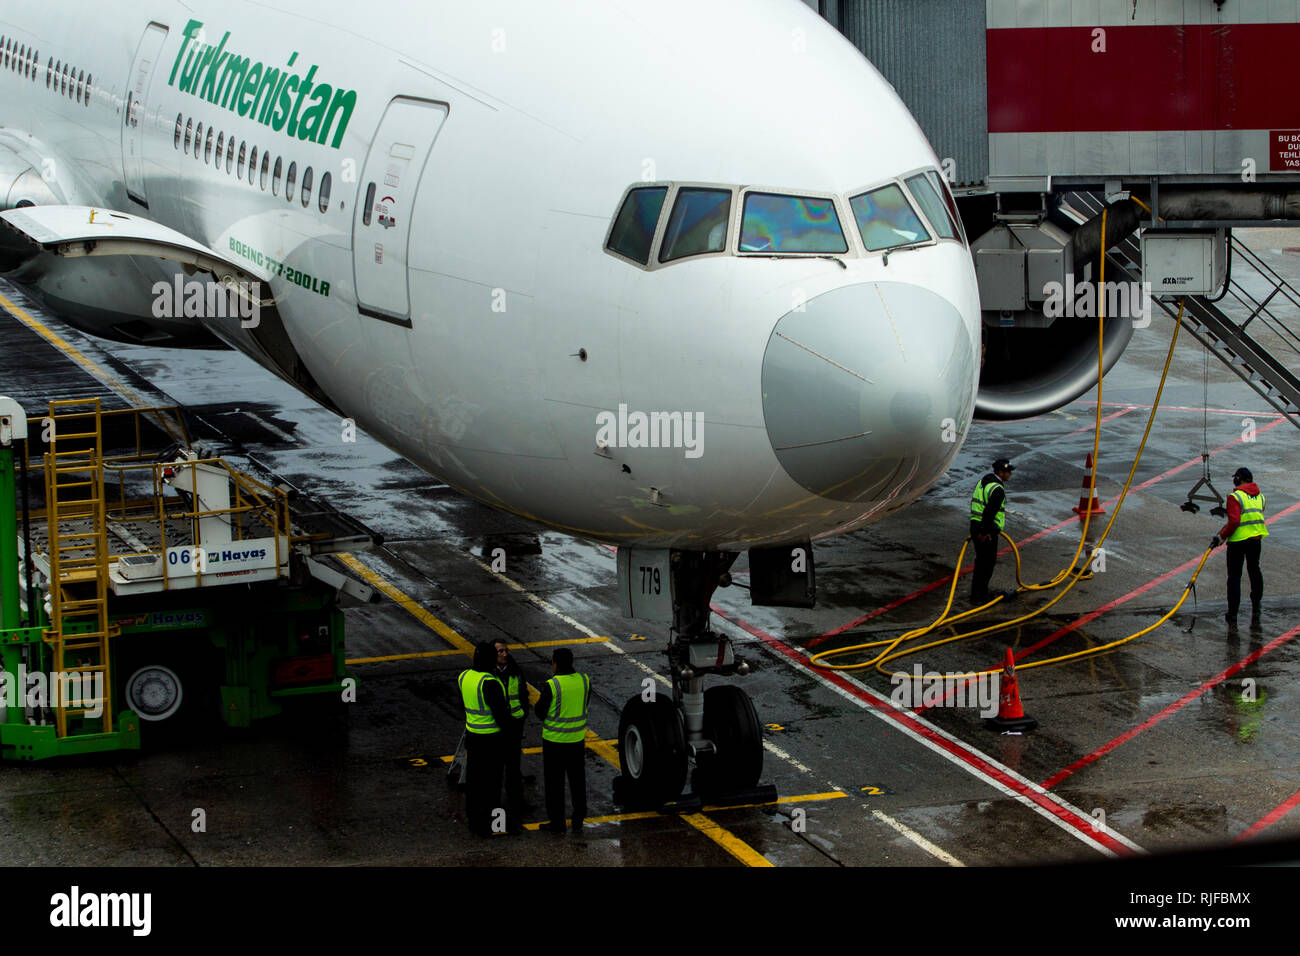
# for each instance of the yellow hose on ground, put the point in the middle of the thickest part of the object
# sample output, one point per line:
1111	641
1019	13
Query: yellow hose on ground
891	644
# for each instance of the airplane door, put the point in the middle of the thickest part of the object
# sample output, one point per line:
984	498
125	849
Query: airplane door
137	100
381	223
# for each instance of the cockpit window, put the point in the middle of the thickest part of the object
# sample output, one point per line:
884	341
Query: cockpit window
698	223
775	223
886	219
634	229
942	187
923	192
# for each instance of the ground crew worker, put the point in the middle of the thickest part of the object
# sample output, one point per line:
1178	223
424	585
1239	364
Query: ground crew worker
562	706
486	714
516	687
1244	533
987	516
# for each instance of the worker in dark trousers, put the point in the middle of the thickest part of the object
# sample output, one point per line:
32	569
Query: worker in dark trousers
987	516
562	706
516	687
1244	532
486	716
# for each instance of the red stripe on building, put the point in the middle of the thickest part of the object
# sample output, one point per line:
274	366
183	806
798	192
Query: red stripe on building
1193	77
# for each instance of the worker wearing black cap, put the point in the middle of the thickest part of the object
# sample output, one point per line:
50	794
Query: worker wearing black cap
987	515
1243	532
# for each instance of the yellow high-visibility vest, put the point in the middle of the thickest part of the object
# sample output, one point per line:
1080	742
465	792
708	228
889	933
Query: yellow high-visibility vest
478	716
1252	517
514	699
566	720
980	499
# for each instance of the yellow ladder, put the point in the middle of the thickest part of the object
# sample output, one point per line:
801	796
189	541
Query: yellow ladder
78	552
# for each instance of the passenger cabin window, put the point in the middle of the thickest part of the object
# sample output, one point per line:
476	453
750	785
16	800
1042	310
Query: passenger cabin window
323	200
275	176
239	170
698	223
252	165
221	147
886	219
306	187
634	227
207	147
189	133
774	223
230	154
198	141
180	128
266	169
924	193
290	181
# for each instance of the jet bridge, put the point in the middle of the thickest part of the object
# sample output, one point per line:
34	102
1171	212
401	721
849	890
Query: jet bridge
1263	348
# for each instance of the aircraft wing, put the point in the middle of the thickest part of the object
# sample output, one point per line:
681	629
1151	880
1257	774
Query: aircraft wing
94	231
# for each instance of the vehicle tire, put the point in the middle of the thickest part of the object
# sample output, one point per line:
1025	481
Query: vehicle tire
172	688
731	722
652	752
155	692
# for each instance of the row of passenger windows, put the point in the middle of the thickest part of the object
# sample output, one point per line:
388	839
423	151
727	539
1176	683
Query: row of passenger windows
215	148
773	223
59	76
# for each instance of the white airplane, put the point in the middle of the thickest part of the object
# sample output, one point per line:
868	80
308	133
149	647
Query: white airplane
683	277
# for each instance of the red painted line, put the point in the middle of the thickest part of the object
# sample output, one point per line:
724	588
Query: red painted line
972	758
1270	818
1136	592
1074	520
1182	77
1173	708
1185	408
1091	426
1110	606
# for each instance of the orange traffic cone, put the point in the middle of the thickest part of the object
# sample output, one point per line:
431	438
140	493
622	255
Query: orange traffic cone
1088	504
1011	716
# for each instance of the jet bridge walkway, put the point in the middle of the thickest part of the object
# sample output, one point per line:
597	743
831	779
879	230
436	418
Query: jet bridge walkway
1263	348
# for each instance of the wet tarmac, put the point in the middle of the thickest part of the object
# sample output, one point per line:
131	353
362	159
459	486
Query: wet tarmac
1186	737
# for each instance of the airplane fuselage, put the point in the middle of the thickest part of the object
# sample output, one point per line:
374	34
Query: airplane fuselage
453	293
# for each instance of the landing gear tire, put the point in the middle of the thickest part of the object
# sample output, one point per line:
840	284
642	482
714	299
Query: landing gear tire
731	722
652	752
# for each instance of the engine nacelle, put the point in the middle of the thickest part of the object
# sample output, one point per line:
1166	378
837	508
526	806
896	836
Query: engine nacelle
1040	313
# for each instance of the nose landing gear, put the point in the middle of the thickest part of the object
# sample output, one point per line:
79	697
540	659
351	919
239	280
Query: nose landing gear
718	728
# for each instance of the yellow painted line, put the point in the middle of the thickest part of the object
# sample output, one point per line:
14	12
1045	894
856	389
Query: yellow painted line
604	748
408	604
572	640
94	368
514	647
724	838
801	798
738	848
652	814
400	657
448	758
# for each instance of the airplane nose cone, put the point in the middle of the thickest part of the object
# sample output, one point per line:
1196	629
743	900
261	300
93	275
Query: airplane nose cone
858	388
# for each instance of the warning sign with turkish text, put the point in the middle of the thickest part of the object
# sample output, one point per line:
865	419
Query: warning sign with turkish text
1285	154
